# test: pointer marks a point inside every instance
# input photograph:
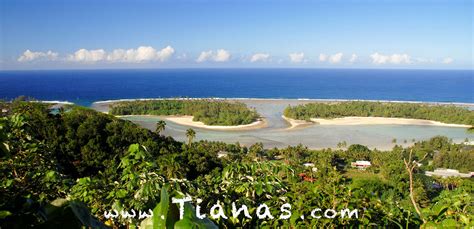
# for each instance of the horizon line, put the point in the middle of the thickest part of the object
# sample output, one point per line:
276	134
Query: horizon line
234	68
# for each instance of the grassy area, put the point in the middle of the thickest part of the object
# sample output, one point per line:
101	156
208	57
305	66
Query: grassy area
362	174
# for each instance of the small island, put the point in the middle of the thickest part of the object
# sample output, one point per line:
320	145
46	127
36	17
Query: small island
202	113
366	113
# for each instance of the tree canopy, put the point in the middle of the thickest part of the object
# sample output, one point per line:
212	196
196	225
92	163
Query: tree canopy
208	111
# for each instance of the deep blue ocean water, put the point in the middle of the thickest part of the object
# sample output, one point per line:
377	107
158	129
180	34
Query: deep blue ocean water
86	86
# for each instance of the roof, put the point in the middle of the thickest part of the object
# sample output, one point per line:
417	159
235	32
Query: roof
363	163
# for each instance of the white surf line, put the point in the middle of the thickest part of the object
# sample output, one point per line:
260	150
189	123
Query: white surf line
283	99
53	102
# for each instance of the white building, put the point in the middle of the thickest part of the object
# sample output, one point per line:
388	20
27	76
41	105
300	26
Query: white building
222	154
361	164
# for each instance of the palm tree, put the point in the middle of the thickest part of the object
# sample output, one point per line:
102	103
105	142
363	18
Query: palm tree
160	126
191	134
171	167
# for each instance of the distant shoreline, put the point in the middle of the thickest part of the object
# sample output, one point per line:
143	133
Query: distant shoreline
289	99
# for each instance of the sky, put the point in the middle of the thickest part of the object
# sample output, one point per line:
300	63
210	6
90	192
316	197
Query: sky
86	34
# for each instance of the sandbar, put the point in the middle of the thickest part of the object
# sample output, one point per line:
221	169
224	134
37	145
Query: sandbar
345	121
382	121
296	124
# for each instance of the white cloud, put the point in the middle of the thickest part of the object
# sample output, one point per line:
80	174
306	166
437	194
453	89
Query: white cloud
117	55
263	57
221	55
448	60
31	56
204	56
84	55
393	59
400	58
296	57
336	58
165	53
353	58
379	59
323	57
141	54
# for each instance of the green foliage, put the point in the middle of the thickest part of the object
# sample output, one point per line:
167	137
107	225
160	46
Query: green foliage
441	113
444	154
26	168
452	209
84	141
210	112
461	159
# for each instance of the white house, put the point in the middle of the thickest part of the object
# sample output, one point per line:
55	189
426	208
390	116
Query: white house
222	154
361	164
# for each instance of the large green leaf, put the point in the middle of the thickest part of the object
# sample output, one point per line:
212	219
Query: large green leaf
430	225
449	223
190	220
258	188
4	214
438	210
160	213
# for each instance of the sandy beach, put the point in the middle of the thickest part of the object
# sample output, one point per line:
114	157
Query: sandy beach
347	121
381	121
296	124
188	121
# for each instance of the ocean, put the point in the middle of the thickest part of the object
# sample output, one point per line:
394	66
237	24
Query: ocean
87	86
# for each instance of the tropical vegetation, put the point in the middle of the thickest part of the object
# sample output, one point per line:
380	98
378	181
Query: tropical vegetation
74	167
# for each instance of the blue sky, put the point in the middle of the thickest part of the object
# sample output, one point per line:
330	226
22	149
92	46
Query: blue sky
40	34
